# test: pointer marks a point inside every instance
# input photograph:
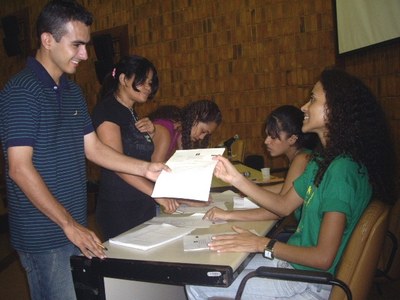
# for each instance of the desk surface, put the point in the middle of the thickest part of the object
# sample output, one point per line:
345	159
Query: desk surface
167	264
217	185
173	252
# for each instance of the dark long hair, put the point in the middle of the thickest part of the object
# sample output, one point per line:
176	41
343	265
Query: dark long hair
205	111
357	128
133	65
289	119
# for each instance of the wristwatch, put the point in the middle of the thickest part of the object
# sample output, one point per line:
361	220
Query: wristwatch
269	250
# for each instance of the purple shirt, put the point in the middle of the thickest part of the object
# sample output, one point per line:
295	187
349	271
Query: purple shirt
173	133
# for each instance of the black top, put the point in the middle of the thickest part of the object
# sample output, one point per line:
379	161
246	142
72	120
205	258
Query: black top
120	206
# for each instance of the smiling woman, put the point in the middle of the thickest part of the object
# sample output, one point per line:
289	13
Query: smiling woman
124	201
355	163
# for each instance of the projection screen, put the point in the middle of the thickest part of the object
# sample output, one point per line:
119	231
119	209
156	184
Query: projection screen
362	23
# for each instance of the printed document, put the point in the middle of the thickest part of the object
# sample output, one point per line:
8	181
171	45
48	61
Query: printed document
198	242
243	203
150	236
191	175
191	221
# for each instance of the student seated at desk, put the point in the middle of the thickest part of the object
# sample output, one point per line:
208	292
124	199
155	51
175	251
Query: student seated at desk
355	163
284	137
189	127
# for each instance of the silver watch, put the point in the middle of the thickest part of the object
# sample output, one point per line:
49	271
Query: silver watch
269	250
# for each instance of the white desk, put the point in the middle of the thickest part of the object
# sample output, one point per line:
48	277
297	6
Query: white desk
126	273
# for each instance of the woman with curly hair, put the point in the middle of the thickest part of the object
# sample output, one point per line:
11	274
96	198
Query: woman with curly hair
186	128
355	164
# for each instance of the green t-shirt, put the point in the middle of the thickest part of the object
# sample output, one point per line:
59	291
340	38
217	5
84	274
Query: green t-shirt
344	188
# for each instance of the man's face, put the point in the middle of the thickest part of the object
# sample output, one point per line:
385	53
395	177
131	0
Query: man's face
66	55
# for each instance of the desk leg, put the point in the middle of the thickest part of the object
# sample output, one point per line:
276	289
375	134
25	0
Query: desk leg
89	284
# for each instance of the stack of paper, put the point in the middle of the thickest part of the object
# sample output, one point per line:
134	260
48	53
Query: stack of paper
150	236
196	242
243	203
192	221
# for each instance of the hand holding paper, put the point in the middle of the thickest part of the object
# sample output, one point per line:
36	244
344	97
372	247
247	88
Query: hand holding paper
190	176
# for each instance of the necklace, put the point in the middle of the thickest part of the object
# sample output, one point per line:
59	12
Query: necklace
134	117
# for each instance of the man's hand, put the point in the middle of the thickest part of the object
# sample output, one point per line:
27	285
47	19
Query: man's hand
154	169
85	239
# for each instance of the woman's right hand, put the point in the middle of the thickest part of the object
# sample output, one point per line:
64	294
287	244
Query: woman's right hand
215	214
225	171
169	205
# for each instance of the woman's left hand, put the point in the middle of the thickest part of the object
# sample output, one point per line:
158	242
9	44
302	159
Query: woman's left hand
243	241
145	125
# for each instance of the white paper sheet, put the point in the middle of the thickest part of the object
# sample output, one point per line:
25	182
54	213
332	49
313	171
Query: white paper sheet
198	242
192	221
191	175
150	236
243	203
185	209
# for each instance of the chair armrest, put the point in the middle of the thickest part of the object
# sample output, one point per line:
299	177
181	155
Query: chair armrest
289	229
388	264
293	275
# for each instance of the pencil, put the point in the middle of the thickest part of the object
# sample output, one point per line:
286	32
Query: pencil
102	246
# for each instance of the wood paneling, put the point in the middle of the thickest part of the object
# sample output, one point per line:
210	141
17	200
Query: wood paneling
250	56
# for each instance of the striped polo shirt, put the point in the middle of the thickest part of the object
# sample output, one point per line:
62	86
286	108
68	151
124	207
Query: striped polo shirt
53	120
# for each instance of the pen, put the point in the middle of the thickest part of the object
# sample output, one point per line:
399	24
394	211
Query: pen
102	246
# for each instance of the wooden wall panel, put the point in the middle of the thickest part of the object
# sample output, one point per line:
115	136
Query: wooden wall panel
249	56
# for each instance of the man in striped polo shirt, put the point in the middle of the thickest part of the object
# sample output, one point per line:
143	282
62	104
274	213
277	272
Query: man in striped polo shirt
46	133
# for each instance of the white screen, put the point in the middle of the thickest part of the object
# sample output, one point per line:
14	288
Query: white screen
361	23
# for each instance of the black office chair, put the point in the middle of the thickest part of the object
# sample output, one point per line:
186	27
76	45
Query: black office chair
389	261
254	161
355	272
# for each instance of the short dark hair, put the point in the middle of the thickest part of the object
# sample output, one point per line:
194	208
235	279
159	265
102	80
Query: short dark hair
57	13
289	119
